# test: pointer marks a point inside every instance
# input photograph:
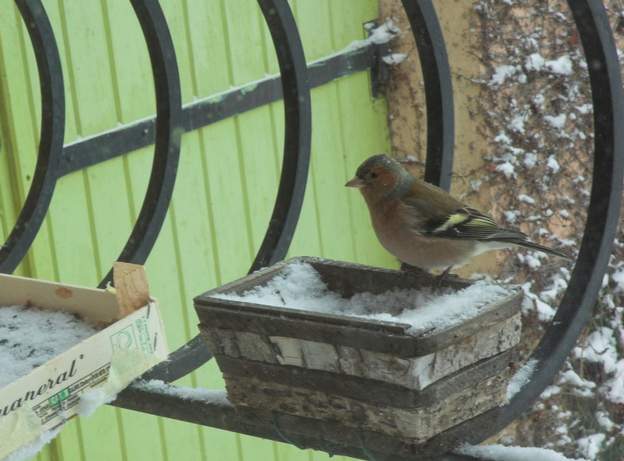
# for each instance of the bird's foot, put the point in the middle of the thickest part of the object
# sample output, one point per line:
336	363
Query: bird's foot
436	281
425	277
443	277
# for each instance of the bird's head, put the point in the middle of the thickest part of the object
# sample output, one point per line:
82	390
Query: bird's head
381	176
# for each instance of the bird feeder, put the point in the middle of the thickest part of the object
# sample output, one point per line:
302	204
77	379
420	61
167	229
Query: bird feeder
378	376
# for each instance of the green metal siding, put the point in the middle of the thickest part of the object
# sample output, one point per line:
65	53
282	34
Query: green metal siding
225	188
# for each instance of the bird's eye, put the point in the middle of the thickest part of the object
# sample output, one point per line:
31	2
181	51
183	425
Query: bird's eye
373	175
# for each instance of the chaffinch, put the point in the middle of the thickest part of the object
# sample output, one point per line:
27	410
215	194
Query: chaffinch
423	225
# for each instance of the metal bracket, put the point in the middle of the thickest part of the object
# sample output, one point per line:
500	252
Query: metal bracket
380	71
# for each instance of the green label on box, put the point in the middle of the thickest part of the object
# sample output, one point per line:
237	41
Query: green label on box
124	340
59	397
133	337
143	335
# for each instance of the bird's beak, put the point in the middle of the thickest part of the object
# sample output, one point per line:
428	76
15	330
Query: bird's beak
355	182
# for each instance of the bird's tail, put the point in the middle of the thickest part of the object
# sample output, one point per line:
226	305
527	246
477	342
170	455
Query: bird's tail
524	242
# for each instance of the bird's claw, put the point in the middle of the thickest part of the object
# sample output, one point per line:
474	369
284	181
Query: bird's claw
444	277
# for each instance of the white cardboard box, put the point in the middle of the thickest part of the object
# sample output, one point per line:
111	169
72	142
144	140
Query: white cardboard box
131	341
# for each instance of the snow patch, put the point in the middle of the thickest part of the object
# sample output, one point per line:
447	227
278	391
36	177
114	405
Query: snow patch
384	33
520	378
29	337
583	387
530	160
502	73
30	450
615	386
186	393
299	286
558	284
545	311
507	169
600	348
539	100
590	445
560	66
511	216
92	399
553	164
557	122
526	199
517	123
502	138
503	453
535	62
602	417
549	392
378	36
532	260
618	279
394	59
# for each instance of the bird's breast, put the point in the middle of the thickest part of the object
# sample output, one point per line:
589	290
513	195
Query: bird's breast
397	232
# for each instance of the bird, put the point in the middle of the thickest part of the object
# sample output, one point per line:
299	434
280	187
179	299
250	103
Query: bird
423	225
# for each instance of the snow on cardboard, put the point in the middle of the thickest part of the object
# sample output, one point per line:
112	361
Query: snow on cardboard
130	340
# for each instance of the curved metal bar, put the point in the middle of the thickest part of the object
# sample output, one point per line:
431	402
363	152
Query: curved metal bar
606	195
52	133
329	436
438	90
297	142
298	132
169	131
576	306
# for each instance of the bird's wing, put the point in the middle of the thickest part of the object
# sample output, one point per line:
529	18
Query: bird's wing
468	223
464	222
441	215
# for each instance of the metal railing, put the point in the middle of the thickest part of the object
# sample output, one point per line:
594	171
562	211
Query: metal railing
55	160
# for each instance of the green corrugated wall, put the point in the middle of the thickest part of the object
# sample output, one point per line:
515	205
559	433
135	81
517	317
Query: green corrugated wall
225	188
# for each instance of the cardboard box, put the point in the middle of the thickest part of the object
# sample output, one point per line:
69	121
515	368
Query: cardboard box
131	341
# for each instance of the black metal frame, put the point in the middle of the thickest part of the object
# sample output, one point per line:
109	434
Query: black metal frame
438	90
52	133
168	134
296	79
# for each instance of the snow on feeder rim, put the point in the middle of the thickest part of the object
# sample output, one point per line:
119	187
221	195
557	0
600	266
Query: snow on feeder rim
395	351
425	309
